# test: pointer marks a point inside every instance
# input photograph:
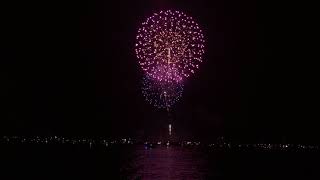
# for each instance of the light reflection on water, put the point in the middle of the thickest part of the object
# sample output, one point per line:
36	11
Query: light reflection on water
135	162
169	163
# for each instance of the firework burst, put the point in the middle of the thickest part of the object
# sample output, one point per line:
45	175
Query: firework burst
169	46
161	94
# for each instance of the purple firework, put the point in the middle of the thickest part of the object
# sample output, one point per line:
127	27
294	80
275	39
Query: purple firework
161	94
169	46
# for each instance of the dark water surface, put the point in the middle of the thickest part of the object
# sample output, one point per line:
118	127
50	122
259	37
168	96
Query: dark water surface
136	162
170	163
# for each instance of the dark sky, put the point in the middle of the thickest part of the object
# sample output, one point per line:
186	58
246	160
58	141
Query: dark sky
70	69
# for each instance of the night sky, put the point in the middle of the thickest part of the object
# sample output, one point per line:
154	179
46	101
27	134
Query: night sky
70	69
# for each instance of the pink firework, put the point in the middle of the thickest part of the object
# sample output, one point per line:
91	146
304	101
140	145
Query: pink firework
169	46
